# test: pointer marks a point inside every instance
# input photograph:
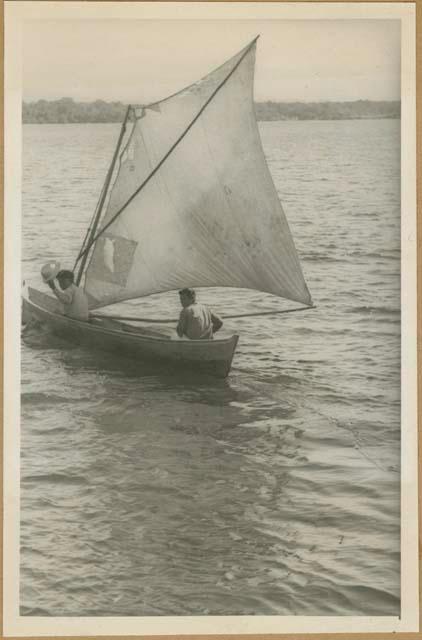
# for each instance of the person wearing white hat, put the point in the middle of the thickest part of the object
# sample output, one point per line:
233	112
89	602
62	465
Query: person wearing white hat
50	270
73	298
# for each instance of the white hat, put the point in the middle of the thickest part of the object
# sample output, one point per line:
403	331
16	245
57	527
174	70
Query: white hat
50	270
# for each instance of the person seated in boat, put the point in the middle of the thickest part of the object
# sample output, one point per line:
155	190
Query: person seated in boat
196	321
73	298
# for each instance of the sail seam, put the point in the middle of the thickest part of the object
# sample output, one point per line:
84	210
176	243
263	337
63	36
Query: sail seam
222	184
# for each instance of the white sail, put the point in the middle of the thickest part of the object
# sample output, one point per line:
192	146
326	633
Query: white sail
210	216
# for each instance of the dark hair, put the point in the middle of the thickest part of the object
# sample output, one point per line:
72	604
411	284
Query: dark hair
64	273
189	293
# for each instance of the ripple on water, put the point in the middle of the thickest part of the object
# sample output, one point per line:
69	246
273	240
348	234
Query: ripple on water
274	492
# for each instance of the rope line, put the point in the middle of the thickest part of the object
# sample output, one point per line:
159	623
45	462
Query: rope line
172	321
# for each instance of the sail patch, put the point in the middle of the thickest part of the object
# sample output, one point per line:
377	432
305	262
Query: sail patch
113	259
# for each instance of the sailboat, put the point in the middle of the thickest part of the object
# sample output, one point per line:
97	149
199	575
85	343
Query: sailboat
188	201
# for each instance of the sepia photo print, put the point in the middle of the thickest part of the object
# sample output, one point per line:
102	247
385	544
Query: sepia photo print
210	419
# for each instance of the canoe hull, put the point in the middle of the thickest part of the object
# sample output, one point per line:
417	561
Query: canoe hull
213	357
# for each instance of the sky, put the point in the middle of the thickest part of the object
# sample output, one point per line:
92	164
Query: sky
142	61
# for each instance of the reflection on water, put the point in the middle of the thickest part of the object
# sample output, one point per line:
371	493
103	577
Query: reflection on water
147	491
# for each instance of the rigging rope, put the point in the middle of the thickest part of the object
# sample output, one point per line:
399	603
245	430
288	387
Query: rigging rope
93	227
172	321
88	231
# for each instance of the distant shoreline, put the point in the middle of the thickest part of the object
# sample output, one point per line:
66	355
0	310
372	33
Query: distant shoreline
67	111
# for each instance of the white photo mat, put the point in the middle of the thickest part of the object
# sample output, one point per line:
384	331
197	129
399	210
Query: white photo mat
14	624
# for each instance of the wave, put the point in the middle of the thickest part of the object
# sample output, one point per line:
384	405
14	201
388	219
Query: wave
34	611
374	309
372	601
36	397
311	257
56	478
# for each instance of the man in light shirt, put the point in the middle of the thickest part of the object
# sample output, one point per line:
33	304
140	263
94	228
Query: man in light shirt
73	298
196	321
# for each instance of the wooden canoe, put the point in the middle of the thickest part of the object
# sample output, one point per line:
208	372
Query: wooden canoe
213	357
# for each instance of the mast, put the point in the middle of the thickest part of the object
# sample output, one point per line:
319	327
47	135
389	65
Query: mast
88	240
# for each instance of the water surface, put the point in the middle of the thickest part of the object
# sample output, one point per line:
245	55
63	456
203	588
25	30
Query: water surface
275	491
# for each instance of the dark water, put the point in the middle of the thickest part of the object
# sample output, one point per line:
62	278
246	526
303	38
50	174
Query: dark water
273	492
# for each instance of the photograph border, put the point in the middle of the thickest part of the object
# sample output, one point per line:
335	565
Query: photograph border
246	627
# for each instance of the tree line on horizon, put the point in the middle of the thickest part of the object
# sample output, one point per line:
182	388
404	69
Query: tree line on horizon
66	110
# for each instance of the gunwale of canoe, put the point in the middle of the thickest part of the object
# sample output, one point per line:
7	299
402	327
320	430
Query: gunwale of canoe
212	356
